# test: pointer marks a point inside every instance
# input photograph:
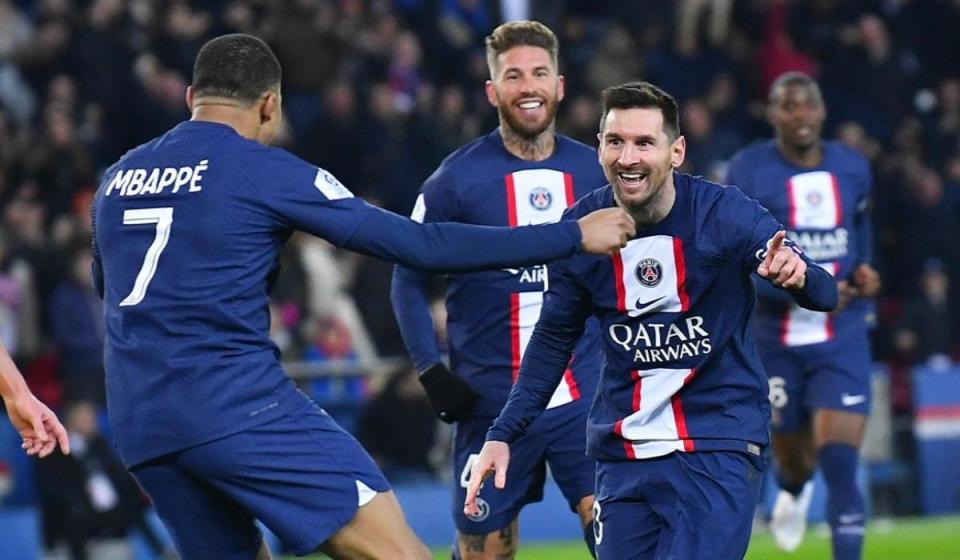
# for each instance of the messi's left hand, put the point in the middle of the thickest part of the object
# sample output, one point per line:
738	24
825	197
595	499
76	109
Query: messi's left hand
782	265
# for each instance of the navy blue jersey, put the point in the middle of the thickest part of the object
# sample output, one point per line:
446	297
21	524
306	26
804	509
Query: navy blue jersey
187	231
491	314
825	209
681	371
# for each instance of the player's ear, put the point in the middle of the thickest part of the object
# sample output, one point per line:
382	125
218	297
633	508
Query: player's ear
269	107
678	152
561	87
189	98
491	93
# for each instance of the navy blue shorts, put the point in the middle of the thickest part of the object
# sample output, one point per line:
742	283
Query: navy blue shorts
833	375
684	506
557	437
302	476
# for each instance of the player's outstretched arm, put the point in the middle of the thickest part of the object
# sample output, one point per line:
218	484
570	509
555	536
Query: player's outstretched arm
810	285
453	247
37	425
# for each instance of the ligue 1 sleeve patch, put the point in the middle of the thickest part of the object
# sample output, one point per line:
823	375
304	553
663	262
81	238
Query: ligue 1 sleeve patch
419	209
331	188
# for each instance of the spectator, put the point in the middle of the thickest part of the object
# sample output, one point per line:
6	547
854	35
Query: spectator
398	428
76	317
87	497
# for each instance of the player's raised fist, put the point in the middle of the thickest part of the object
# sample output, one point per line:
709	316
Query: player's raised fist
606	231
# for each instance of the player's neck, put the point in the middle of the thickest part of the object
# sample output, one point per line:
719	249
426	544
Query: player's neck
234	116
802	156
529	149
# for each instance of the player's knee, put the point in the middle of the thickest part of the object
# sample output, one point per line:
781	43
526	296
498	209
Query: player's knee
497	545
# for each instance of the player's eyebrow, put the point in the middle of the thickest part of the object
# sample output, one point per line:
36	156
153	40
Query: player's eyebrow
511	69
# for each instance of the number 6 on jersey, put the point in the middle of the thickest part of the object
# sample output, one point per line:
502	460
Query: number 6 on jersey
163	217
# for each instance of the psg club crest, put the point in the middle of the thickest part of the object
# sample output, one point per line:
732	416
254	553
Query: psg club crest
814	198
649	272
540	198
483	511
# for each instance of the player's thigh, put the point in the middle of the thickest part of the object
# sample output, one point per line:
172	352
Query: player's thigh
836	426
378	530
301	475
203	521
625	526
788	385
574	472
498	507
712	515
841	387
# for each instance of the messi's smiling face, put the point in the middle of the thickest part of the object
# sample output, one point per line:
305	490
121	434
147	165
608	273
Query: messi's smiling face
637	154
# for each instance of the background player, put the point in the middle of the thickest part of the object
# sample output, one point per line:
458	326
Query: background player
37	425
522	173
681	417
187	231
818	363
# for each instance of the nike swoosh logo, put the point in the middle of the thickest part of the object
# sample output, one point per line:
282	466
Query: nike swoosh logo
848	519
643	306
852	400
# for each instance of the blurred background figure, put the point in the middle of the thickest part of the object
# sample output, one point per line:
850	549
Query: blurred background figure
89	503
379	92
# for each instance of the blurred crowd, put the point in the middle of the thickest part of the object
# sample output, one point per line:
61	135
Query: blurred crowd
379	91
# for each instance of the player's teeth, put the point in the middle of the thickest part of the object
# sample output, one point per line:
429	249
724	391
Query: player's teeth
530	105
631	176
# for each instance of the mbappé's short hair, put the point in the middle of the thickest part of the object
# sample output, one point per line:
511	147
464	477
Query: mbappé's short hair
238	66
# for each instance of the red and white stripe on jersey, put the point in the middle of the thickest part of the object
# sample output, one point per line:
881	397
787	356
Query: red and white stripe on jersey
813	200
651	276
536	196
657	426
801	326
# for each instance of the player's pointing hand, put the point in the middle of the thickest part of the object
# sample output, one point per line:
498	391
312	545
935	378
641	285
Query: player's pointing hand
606	231
494	458
782	265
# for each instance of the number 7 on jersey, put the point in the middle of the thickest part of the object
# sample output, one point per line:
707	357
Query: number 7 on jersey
163	218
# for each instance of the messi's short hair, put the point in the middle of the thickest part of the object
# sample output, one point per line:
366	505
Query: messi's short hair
520	34
238	66
643	95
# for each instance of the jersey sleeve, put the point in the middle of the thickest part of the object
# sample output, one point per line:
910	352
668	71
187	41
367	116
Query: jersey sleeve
300	196
437	202
862	220
566	307
297	195
747	229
